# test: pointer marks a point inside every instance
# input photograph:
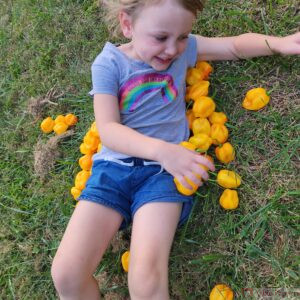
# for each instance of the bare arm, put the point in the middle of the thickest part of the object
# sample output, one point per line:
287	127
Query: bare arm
246	46
123	139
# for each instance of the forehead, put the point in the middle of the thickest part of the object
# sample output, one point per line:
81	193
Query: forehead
165	15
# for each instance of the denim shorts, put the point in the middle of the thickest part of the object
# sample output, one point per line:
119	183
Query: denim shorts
126	184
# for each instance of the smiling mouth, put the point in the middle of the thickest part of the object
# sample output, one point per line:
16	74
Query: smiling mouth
163	61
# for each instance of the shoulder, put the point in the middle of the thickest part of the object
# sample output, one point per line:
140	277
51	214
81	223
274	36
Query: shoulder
108	56
190	53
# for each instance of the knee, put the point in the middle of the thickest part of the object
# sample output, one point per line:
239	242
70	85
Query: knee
66	277
145	279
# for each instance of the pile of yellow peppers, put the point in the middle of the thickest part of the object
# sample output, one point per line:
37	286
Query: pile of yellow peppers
207	126
90	145
59	125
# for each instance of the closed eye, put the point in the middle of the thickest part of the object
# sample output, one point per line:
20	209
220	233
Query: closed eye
184	37
161	38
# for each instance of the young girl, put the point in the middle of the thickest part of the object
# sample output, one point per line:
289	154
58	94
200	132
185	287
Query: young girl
138	90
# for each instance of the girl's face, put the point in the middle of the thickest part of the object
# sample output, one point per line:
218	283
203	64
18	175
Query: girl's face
159	33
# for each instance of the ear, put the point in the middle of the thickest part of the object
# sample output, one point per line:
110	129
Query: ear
126	24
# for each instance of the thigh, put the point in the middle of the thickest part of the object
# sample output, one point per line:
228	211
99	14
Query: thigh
87	236
153	230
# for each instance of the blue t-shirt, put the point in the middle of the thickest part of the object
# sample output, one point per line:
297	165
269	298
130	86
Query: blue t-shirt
150	102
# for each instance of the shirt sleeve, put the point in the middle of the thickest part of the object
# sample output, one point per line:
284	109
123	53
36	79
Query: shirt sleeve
105	75
191	51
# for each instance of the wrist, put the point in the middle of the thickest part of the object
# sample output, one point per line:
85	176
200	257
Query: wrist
274	44
159	150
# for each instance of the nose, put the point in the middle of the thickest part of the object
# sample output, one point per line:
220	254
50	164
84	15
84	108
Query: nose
171	49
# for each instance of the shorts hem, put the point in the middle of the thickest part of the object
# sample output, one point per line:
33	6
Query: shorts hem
158	199
107	204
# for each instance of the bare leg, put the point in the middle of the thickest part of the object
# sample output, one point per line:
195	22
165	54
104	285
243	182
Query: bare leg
85	240
153	230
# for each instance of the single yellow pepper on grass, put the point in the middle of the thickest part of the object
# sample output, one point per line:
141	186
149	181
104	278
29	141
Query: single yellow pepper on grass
221	292
229	199
219	133
125	260
256	99
204	107
228	179
225	153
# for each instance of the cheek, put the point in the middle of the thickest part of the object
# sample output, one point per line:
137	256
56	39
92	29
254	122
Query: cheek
182	46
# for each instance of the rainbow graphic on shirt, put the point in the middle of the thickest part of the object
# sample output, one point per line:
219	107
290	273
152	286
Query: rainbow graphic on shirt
134	89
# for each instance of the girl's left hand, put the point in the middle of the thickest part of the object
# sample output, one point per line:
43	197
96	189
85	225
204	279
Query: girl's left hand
289	45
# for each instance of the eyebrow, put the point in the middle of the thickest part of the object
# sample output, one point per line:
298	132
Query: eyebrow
167	33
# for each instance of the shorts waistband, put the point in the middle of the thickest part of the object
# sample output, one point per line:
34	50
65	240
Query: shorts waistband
132	161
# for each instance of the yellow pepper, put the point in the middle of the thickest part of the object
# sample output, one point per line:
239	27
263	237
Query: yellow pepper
203	107
75	192
71	119
219	133
125	260
256	99
85	162
187	91
218	118
47	125
190	117
91	141
84	149
59	119
201	140
225	153
183	190
229	199
81	179
228	179
221	292
60	127
188	192
198	89
94	130
205	68
194	75
188	145
201	125
99	147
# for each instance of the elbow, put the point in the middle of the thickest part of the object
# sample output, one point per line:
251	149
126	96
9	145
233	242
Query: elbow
106	133
237	49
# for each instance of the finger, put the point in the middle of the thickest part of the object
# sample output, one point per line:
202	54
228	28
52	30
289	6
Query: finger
194	178
200	172
184	183
204	161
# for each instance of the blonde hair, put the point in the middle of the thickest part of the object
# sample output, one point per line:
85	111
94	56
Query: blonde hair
132	7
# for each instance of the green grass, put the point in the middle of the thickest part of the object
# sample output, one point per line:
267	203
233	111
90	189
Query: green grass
46	44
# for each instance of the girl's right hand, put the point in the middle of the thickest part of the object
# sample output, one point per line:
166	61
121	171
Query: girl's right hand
181	162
